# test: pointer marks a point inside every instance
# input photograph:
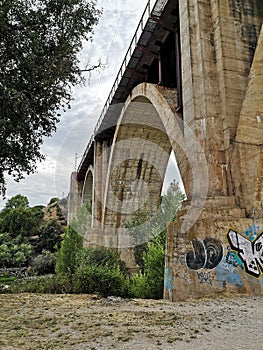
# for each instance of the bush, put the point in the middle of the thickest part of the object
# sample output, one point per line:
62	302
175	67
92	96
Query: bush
100	270
103	280
43	264
154	259
100	256
149	284
137	286
47	284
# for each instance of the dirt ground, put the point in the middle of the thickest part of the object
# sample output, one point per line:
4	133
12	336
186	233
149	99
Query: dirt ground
30	321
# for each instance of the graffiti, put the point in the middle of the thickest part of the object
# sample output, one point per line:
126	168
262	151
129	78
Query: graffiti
205	277
168	279
250	252
232	258
205	254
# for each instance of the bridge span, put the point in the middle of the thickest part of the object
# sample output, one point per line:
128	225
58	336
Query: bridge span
191	81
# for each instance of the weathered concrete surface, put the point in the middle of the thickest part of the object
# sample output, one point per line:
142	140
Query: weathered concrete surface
223	101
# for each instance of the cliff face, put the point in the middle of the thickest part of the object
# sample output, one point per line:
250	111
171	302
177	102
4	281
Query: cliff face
56	210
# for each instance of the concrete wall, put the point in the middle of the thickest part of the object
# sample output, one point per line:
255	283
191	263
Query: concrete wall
222	56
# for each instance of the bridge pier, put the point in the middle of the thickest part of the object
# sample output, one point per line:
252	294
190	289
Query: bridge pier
222	80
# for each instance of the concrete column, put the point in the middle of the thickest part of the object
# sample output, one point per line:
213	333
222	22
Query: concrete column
222	93
101	152
74	197
201	101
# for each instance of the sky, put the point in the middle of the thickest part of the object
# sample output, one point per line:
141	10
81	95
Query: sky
109	44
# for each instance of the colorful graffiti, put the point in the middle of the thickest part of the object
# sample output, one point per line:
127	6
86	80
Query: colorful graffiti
205	254
250	252
233	259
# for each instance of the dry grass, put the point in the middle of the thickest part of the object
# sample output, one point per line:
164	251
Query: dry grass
30	321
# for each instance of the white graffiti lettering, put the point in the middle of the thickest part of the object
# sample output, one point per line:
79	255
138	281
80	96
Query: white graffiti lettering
250	252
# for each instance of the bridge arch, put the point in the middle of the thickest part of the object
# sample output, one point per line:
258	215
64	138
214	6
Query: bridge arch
87	191
149	127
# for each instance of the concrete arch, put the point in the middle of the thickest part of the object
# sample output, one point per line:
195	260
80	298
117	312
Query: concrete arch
87	190
148	128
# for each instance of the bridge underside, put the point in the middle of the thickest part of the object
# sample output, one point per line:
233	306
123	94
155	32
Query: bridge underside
215	129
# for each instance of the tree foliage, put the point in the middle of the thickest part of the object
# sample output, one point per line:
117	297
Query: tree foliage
18	219
39	44
49	237
150	256
25	234
67	255
13	251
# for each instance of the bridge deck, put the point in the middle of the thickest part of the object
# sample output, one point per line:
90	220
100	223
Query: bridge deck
141	63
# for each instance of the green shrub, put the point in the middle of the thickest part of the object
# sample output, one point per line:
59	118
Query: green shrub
66	257
137	286
154	259
100	256
149	283
47	284
104	280
43	264
100	270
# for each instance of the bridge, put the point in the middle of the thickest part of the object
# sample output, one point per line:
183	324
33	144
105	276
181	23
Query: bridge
191	81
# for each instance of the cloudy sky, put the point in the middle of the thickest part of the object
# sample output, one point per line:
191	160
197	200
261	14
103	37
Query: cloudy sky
111	39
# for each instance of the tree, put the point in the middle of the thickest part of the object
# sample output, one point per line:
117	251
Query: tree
16	202
66	257
49	237
18	219
39	44
13	252
150	256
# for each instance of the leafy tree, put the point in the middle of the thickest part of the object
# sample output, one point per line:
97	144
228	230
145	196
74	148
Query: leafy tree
13	252
66	257
171	202
17	218
49	237
18	221
15	202
39	46
150	256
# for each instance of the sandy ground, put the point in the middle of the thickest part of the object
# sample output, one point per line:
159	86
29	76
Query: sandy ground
30	321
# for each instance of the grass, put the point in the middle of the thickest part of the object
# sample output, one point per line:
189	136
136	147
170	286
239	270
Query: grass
81	322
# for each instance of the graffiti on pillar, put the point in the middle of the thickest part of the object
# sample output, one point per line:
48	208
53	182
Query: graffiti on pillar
232	259
168	279
250	252
205	254
205	277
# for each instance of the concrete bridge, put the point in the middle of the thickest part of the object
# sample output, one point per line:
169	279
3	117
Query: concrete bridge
191	82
